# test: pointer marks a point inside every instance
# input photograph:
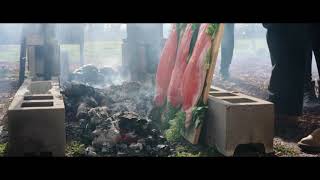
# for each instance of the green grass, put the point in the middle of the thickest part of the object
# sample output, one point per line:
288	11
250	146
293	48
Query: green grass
109	52
75	149
99	53
246	45
189	151
3	149
281	150
176	125
9	53
186	154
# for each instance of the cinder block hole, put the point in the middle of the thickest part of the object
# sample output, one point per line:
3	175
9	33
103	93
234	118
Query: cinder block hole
40	87
239	100
256	149
221	94
37	97
212	89
37	104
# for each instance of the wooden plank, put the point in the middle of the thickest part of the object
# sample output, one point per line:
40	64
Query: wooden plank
192	134
214	55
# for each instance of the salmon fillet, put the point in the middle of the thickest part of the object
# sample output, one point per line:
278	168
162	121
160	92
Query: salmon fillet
165	67
195	73
174	90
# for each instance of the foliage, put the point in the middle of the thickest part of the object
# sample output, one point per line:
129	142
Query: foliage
170	113
212	29
195	29
198	114
173	134
3	148
75	149
187	154
281	150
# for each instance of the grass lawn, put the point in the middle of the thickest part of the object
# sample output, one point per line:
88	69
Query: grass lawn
109	52
9	53
100	53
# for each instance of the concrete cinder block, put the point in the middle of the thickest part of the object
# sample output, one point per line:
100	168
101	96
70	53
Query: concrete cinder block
36	120
235	119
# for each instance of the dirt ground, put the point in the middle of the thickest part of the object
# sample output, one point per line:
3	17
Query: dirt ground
8	87
250	75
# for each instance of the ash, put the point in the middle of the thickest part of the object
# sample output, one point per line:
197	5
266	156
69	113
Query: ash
113	120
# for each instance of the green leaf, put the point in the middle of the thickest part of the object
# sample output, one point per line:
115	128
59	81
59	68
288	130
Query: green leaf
197	123
198	115
195	29
75	149
207	59
180	29
173	134
212	29
3	148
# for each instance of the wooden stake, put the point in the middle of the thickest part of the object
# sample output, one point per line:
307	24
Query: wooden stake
214	55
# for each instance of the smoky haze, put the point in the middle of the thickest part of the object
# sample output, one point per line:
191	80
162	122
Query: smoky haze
103	44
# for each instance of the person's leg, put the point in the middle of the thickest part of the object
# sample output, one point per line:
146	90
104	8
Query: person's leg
289	49
312	141
309	96
227	47
316	43
316	48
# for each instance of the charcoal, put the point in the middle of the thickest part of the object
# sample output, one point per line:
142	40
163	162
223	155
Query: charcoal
86	74
113	121
82	111
98	115
90	101
76	90
136	146
90	151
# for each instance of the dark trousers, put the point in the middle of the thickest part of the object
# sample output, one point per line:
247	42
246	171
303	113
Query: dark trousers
227	46
290	47
315	38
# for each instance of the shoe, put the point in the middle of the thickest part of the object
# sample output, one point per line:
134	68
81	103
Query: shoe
309	96
225	74
286	126
311	142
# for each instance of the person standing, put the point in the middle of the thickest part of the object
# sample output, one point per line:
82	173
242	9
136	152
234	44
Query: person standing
289	46
312	141
310	99
227	48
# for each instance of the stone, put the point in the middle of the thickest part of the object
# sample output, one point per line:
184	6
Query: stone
136	146
90	151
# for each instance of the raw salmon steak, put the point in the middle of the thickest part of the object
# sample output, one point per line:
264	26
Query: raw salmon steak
174	90
165	67
195	74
